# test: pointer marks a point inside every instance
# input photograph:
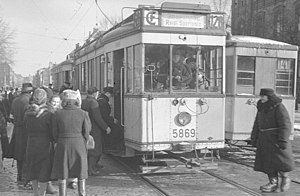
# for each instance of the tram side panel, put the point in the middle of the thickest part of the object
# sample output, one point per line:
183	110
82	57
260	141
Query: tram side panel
210	123
265	71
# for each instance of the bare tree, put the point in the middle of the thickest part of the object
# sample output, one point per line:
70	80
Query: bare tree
104	24
6	42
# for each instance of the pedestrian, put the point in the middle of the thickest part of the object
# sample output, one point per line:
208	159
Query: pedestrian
71	128
55	104
270	135
39	151
3	130
99	128
19	135
65	86
11	95
115	140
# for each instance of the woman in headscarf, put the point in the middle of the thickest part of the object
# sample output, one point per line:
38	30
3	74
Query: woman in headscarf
55	104
39	151
71	128
270	135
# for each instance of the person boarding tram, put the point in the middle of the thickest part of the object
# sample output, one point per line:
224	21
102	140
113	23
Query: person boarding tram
99	128
115	140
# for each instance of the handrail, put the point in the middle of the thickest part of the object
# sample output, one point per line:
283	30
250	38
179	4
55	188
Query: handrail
121	94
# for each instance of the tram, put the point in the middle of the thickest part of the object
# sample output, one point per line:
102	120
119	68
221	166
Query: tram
253	63
167	67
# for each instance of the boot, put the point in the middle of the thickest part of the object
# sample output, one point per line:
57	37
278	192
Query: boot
50	189
271	186
285	182
81	187
19	171
91	166
35	186
62	187
42	188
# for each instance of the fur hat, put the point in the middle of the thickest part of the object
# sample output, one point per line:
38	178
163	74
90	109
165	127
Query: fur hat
39	96
267	92
92	90
69	94
27	87
108	89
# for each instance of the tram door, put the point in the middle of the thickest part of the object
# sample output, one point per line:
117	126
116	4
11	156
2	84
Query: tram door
118	59
264	73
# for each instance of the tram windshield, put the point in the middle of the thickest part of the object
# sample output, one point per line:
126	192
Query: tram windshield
186	69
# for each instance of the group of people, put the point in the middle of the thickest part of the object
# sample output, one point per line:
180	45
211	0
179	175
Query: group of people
50	136
49	140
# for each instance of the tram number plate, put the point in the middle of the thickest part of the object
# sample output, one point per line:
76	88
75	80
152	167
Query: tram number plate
183	133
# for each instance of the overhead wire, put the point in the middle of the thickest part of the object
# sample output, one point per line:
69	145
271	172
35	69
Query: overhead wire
66	38
46	19
47	36
79	21
103	13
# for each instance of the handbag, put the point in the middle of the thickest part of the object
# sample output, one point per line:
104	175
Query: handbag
90	144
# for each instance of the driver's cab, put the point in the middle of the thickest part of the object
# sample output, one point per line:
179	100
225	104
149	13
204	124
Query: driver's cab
191	68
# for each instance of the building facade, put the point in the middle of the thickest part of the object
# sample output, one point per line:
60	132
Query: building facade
273	19
6	76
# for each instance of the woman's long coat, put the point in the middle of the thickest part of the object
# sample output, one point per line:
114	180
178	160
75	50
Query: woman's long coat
270	134
71	128
39	151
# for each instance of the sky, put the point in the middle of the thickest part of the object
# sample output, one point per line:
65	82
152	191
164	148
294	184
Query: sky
48	30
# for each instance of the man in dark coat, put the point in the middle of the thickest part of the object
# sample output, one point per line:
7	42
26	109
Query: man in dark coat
114	142
99	128
270	135
18	108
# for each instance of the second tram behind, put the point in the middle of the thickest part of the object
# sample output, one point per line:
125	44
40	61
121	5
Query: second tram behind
167	67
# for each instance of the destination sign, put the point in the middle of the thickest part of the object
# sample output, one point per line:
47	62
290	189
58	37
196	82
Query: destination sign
183	20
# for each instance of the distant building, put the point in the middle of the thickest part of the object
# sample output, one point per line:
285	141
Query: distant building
42	77
273	19
6	75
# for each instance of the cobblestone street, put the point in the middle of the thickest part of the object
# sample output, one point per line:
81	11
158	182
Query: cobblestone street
112	181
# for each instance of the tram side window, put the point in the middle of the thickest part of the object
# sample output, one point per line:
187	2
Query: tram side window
137	69
156	69
129	70
245	75
285	77
109	68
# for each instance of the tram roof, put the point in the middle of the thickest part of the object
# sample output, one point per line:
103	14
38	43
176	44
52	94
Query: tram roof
258	42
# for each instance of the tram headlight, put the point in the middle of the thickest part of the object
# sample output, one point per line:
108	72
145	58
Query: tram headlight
183	118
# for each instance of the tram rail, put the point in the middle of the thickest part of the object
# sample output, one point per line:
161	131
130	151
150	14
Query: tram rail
143	178
242	162
211	173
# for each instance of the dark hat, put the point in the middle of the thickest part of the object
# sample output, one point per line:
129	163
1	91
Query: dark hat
92	90
267	92
27	87
108	89
39	96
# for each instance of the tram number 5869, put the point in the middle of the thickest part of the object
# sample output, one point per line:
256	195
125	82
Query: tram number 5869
184	133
